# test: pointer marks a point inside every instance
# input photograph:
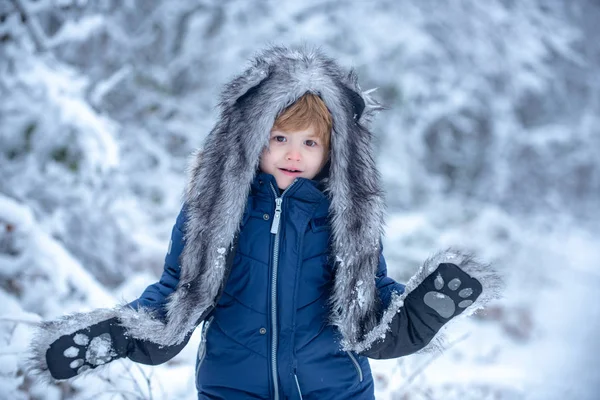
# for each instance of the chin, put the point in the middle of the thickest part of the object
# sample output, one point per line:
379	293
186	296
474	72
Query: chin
283	184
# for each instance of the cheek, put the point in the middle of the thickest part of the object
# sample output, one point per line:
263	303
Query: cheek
316	162
266	159
320	159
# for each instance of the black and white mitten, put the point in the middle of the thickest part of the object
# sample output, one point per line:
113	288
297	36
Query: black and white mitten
88	348
445	286
443	295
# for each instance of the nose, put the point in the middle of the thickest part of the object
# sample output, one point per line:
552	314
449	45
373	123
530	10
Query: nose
293	154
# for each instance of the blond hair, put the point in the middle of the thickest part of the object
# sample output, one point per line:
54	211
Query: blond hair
309	110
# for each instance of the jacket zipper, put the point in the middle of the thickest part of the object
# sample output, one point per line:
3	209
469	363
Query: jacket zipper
357	366
275	231
298	386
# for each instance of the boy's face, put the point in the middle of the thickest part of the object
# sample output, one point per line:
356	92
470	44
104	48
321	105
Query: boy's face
291	155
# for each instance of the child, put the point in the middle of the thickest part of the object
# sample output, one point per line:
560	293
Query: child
277	251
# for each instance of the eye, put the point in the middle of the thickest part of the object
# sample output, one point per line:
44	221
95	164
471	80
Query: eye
310	143
279	138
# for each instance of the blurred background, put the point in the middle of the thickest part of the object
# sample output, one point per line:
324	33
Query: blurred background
491	142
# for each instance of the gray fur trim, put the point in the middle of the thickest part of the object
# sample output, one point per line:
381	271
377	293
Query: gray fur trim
221	174
380	330
143	324
490	280
48	332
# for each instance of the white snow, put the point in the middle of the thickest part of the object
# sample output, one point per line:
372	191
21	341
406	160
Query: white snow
81	339
71	352
77	30
100	350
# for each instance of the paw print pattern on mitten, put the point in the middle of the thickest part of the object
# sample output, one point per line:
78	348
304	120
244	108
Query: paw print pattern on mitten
72	352
85	353
449	296
87	348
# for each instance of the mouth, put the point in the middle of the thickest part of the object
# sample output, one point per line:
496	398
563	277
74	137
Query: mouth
290	171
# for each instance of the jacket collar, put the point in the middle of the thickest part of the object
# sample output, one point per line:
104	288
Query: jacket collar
264	184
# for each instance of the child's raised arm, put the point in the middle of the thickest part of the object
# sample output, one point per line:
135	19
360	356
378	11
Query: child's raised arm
73	344
444	287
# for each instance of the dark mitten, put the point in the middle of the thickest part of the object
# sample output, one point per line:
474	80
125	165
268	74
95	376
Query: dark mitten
88	348
444	294
441	296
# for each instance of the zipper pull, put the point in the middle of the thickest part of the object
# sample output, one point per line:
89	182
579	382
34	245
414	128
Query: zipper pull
277	216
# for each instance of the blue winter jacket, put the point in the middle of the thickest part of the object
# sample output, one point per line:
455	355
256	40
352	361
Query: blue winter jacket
268	336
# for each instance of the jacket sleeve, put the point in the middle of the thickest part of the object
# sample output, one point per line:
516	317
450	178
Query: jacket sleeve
405	335
438	292
386	286
76	344
155	296
154	299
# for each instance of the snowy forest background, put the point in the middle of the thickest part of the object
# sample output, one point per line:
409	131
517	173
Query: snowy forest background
491	143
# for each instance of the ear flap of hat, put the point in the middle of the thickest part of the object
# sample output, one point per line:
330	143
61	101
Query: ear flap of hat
358	104
365	106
